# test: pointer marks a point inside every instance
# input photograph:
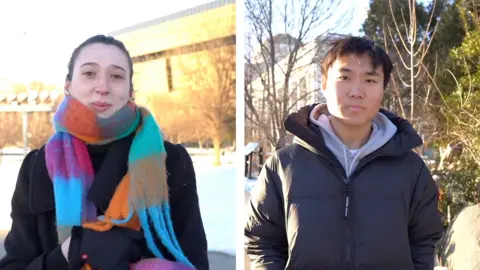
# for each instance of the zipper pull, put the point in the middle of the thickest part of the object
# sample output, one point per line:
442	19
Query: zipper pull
347	201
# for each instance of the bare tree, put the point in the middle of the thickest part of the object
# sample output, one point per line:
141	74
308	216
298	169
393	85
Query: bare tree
40	129
413	48
40	125
282	41
397	96
174	117
10	129
210	91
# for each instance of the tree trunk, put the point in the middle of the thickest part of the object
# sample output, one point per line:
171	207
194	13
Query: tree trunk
217	150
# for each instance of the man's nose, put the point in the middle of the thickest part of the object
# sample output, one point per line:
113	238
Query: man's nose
356	91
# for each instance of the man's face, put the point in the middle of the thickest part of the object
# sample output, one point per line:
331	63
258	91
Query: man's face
353	89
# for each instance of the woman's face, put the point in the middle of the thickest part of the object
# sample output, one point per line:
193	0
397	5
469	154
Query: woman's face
101	79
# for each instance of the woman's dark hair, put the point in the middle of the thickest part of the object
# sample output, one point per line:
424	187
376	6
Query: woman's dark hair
107	40
359	46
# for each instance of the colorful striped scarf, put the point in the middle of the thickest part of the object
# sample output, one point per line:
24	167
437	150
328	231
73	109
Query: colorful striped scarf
71	170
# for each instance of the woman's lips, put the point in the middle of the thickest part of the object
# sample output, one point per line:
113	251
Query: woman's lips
100	106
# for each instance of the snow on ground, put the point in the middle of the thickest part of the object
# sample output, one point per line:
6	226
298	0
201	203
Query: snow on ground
205	159
216	191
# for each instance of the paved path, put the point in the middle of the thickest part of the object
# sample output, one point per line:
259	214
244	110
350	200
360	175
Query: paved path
218	260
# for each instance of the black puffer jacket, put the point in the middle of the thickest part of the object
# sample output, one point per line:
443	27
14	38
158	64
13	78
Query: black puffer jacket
303	215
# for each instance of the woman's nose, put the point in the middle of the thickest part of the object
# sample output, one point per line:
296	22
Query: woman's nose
102	87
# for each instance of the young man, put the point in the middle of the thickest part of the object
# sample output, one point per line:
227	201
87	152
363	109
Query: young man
349	193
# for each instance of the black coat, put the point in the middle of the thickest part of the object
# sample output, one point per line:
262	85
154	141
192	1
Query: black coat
299	216
32	243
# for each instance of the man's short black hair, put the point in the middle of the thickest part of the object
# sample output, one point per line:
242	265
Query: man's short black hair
359	46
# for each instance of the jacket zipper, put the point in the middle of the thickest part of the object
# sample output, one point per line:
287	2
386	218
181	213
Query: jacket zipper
347	210
338	170
347	201
348	247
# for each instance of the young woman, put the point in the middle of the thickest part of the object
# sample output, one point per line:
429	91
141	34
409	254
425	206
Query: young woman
106	191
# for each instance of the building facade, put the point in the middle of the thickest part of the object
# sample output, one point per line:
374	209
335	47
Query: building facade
164	50
182	59
304	82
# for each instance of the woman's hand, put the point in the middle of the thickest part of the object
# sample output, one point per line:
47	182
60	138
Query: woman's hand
112	249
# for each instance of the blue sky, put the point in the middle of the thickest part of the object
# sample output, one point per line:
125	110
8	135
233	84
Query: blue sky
360	12
38	36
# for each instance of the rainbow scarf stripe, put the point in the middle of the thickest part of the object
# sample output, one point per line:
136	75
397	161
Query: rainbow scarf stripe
71	170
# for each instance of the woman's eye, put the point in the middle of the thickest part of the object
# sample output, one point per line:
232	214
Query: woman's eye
89	73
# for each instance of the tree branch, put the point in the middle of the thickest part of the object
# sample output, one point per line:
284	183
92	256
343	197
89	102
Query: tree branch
396	26
397	49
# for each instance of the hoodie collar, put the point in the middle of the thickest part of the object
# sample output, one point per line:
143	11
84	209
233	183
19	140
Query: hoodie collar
300	125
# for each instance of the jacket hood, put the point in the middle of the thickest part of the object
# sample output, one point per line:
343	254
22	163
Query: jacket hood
306	133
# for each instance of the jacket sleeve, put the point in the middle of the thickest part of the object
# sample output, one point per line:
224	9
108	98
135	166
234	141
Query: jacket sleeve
22	244
425	228
186	217
265	235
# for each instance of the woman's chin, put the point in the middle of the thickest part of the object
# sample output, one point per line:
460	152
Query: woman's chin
105	114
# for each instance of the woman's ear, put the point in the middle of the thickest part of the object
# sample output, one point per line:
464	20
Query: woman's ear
66	89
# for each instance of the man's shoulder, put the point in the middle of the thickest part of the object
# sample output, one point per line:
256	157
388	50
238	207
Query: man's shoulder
290	150
413	165
284	157
411	157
